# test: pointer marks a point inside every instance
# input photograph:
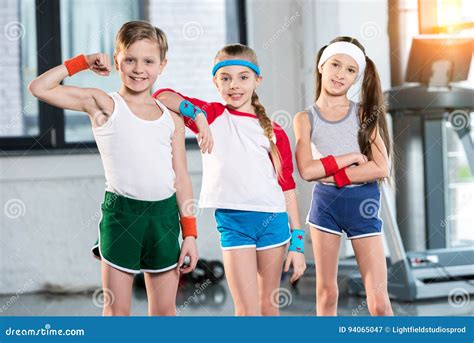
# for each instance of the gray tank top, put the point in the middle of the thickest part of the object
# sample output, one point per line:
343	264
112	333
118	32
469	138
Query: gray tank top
334	137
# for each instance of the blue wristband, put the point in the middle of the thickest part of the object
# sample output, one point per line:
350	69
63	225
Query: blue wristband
297	240
187	109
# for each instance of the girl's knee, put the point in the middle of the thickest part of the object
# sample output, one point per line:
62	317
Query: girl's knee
328	293
247	312
269	307
270	311
380	306
170	311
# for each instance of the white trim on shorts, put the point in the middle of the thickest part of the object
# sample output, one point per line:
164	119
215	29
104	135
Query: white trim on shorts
132	271
365	235
159	270
274	245
239	247
321	228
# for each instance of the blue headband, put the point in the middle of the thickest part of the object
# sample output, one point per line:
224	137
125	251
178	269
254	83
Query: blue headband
235	63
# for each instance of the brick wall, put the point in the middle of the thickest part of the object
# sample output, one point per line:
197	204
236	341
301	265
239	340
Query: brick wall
10	81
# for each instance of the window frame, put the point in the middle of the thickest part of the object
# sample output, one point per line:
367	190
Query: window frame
51	120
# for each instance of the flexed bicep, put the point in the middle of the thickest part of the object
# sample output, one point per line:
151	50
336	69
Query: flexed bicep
48	88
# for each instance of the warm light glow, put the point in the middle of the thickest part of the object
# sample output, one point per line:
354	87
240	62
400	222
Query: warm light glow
449	12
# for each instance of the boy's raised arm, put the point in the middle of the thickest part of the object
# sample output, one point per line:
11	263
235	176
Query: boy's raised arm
47	87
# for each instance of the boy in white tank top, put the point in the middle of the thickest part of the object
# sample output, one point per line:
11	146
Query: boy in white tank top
142	149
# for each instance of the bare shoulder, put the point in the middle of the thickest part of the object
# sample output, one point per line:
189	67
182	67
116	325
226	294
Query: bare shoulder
301	115
301	118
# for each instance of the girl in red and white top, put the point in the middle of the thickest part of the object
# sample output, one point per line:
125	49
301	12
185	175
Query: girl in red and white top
248	180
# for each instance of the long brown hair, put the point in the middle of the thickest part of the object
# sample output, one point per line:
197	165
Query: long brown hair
242	51
372	108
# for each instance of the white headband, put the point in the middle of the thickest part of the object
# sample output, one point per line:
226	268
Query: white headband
345	48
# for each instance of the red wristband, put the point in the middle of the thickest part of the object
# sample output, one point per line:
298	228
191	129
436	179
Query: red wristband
330	165
188	226
341	178
76	64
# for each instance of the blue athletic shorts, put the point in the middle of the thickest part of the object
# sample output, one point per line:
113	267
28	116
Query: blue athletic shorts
247	229
354	210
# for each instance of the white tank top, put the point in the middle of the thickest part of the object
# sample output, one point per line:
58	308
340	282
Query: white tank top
136	153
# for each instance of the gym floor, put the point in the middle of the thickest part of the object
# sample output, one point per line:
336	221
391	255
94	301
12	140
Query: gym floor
214	300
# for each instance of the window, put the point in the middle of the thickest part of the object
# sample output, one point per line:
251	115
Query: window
446	16
64	28
19	109
194	40
85	29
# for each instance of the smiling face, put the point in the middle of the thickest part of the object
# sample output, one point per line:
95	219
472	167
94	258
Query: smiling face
339	73
139	65
236	85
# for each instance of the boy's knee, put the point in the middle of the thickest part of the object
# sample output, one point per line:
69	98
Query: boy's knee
247	310
115	311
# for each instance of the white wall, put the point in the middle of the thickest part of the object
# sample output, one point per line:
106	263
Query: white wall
49	221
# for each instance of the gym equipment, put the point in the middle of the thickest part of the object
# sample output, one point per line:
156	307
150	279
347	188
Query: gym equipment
205	270
418	275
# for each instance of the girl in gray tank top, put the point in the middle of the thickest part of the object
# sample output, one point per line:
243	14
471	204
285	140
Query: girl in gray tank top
335	137
347	154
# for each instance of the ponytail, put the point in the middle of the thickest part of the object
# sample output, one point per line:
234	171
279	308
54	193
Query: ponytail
267	126
372	111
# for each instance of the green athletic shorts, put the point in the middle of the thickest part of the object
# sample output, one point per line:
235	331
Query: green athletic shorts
138	236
